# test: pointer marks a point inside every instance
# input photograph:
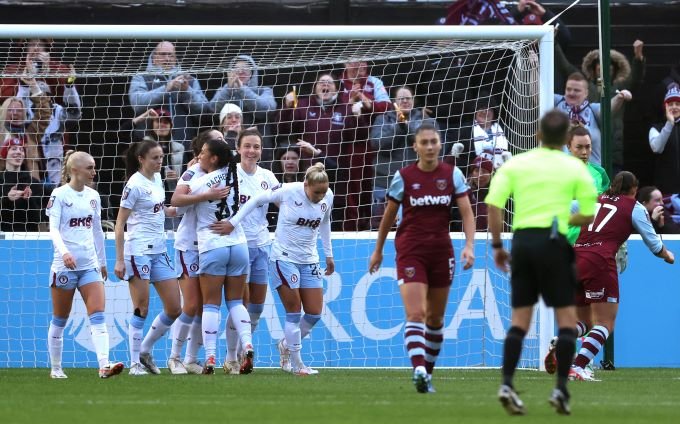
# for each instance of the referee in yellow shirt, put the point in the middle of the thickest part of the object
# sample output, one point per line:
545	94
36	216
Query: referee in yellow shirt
542	182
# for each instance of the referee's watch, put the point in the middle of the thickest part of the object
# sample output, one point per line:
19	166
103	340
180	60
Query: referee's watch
497	244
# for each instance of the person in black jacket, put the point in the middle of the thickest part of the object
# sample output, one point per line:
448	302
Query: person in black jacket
21	207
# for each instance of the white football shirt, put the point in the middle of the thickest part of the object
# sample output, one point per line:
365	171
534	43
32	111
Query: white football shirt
185	236
207	212
299	224
146	224
249	186
76	228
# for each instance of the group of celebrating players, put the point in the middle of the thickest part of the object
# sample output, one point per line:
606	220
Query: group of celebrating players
218	249
223	246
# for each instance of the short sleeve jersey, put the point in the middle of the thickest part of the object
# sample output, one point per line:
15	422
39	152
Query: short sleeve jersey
77	212
212	211
146	224
298	223
250	185
616	217
185	236
426	198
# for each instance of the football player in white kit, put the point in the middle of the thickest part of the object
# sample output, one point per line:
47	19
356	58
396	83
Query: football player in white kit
79	260
223	260
143	257
304	215
252	180
189	324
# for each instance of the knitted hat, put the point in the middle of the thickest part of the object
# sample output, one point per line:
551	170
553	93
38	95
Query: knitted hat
227	109
12	141
672	95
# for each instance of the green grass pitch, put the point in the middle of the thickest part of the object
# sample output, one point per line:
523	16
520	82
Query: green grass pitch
334	396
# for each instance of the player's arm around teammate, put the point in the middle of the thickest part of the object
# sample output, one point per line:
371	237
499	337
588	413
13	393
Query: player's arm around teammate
79	262
223	260
143	258
425	258
188	328
304	216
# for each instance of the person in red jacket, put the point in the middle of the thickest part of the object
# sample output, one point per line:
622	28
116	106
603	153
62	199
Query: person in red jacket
368	98
321	125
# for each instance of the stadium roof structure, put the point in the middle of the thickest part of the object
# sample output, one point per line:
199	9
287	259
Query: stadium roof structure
296	3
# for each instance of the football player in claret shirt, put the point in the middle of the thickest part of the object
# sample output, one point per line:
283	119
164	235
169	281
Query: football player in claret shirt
425	260
617	215
143	257
304	216
79	260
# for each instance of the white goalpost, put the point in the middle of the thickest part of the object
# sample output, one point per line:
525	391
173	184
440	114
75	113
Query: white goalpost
83	99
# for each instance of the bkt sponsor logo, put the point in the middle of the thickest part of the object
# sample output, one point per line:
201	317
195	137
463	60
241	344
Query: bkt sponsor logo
81	222
430	200
312	223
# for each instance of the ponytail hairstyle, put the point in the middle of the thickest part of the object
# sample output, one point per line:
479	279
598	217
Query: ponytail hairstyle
226	158
624	182
67	164
134	152
316	174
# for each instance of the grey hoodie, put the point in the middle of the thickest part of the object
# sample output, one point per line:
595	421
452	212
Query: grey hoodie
148	90
255	101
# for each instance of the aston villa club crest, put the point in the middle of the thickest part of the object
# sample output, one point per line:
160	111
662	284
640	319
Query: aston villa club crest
294	278
441	184
145	269
324	207
63	280
193	267
264	185
410	272
93	204
126	192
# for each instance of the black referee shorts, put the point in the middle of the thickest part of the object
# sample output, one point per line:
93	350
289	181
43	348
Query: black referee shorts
542	266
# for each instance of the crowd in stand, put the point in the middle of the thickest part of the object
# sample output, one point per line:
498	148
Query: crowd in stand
360	129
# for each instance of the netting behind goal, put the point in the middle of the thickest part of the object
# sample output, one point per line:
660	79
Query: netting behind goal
99	94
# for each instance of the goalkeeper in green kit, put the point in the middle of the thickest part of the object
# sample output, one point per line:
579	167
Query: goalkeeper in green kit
580	146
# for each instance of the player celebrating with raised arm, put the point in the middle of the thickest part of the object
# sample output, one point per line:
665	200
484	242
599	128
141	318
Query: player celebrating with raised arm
223	261
143	257
304	215
190	322
252	181
79	260
542	182
617	215
425	258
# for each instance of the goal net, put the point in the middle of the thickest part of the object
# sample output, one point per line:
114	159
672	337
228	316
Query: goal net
350	97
